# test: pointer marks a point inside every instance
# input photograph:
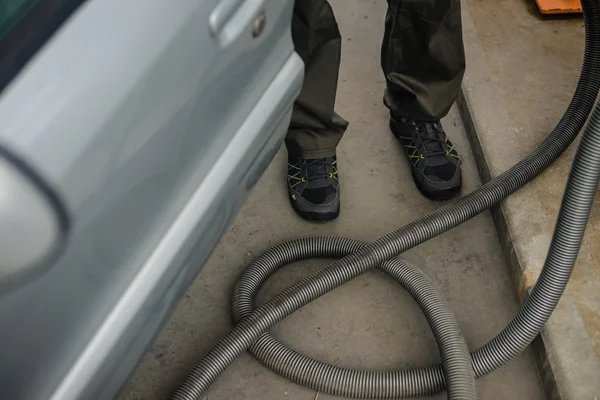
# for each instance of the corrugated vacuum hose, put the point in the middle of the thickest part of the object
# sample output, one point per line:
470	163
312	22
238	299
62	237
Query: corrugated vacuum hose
457	373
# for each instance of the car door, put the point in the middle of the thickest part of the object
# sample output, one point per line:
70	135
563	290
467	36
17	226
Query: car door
143	125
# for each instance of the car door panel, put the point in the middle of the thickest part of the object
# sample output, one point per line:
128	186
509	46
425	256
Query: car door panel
132	123
189	240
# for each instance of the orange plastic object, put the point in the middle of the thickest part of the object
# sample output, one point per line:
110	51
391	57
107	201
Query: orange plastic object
559	6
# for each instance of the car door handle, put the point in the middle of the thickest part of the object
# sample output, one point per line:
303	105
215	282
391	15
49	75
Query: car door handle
231	18
221	14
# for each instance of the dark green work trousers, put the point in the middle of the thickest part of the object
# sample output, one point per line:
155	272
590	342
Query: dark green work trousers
422	57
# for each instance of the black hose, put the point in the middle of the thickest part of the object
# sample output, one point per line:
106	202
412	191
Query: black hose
249	332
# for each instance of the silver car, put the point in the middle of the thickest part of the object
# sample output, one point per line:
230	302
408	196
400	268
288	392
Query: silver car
130	133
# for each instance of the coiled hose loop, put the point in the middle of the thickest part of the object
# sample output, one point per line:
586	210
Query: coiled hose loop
249	332
346	382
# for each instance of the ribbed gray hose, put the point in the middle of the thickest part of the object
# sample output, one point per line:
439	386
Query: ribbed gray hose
514	338
327	378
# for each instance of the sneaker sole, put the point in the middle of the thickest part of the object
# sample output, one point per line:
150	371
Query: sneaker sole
315	216
437	195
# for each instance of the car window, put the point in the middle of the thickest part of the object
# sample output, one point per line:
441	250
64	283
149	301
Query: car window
25	26
11	11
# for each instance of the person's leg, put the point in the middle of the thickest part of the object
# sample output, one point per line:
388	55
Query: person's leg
423	61
315	129
422	57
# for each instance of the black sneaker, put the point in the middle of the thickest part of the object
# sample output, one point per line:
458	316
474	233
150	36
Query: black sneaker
314	188
435	163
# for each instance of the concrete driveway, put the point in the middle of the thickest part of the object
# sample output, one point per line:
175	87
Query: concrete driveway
370	322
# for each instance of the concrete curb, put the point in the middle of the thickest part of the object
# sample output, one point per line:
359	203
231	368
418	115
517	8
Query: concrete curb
506	242
567	369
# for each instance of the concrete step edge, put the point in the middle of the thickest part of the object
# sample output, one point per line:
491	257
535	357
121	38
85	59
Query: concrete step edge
563	377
